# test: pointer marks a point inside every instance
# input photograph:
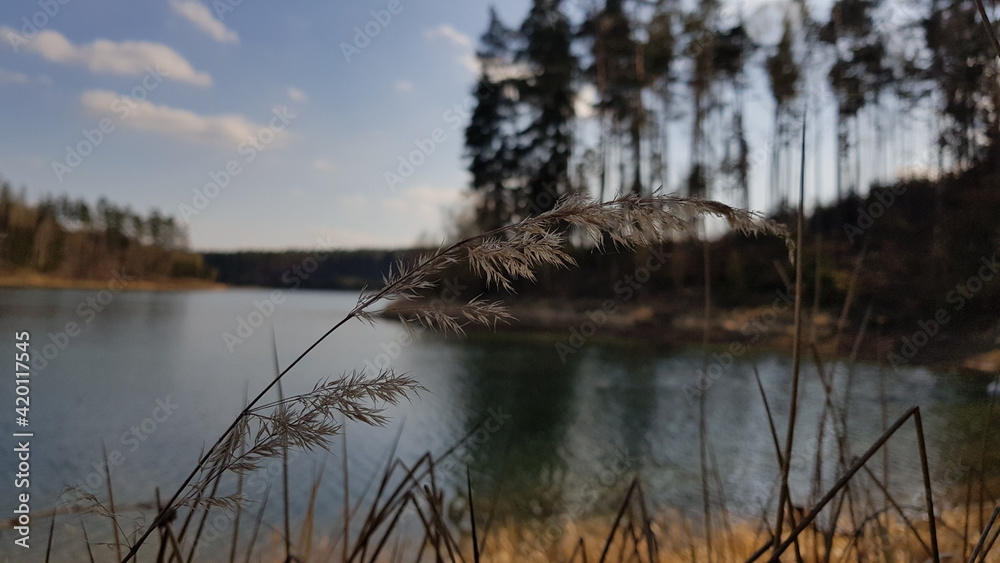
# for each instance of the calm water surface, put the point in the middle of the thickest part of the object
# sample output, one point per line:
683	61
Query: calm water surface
152	379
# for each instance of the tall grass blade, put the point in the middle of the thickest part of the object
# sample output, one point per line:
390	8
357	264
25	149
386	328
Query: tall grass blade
899	510
472	516
308	522
928	493
408	499
52	532
652	547
256	525
618	520
239	494
983	537
345	470
204	518
989	545
706	499
163	532
284	450
840	484
796	350
86	541
111	501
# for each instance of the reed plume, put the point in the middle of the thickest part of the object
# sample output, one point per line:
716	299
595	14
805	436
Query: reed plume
500	256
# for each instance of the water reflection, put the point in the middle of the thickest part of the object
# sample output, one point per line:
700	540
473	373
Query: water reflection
522	383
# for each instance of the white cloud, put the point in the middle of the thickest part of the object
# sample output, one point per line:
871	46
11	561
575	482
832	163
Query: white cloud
403	86
424	201
471	63
202	18
8	77
126	58
322	164
444	31
451	34
296	95
220	130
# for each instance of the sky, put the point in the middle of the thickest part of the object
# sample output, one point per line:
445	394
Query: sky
295	110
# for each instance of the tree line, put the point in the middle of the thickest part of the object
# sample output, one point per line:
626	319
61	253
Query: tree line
72	238
627	96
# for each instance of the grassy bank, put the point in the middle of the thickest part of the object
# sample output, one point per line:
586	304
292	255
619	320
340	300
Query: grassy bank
32	279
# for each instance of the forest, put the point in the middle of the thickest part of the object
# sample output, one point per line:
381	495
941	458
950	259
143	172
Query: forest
885	114
73	240
639	96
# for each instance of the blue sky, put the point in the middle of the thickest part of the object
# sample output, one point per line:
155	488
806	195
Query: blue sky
184	90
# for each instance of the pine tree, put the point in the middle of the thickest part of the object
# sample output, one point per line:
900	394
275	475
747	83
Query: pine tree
700	50
732	51
858	75
613	72
658	59
784	77
489	137
964	69
546	94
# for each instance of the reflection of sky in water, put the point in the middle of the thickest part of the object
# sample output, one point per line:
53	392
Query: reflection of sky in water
555	438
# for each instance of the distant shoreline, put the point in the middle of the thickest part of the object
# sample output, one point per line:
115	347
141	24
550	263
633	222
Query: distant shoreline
737	331
35	280
667	324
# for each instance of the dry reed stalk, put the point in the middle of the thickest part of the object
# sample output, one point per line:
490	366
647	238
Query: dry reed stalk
111	500
48	543
86	541
842	482
499	256
783	493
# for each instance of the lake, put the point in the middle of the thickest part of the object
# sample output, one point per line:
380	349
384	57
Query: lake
153	379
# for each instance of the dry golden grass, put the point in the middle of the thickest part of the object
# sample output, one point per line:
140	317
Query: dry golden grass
27	278
885	540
